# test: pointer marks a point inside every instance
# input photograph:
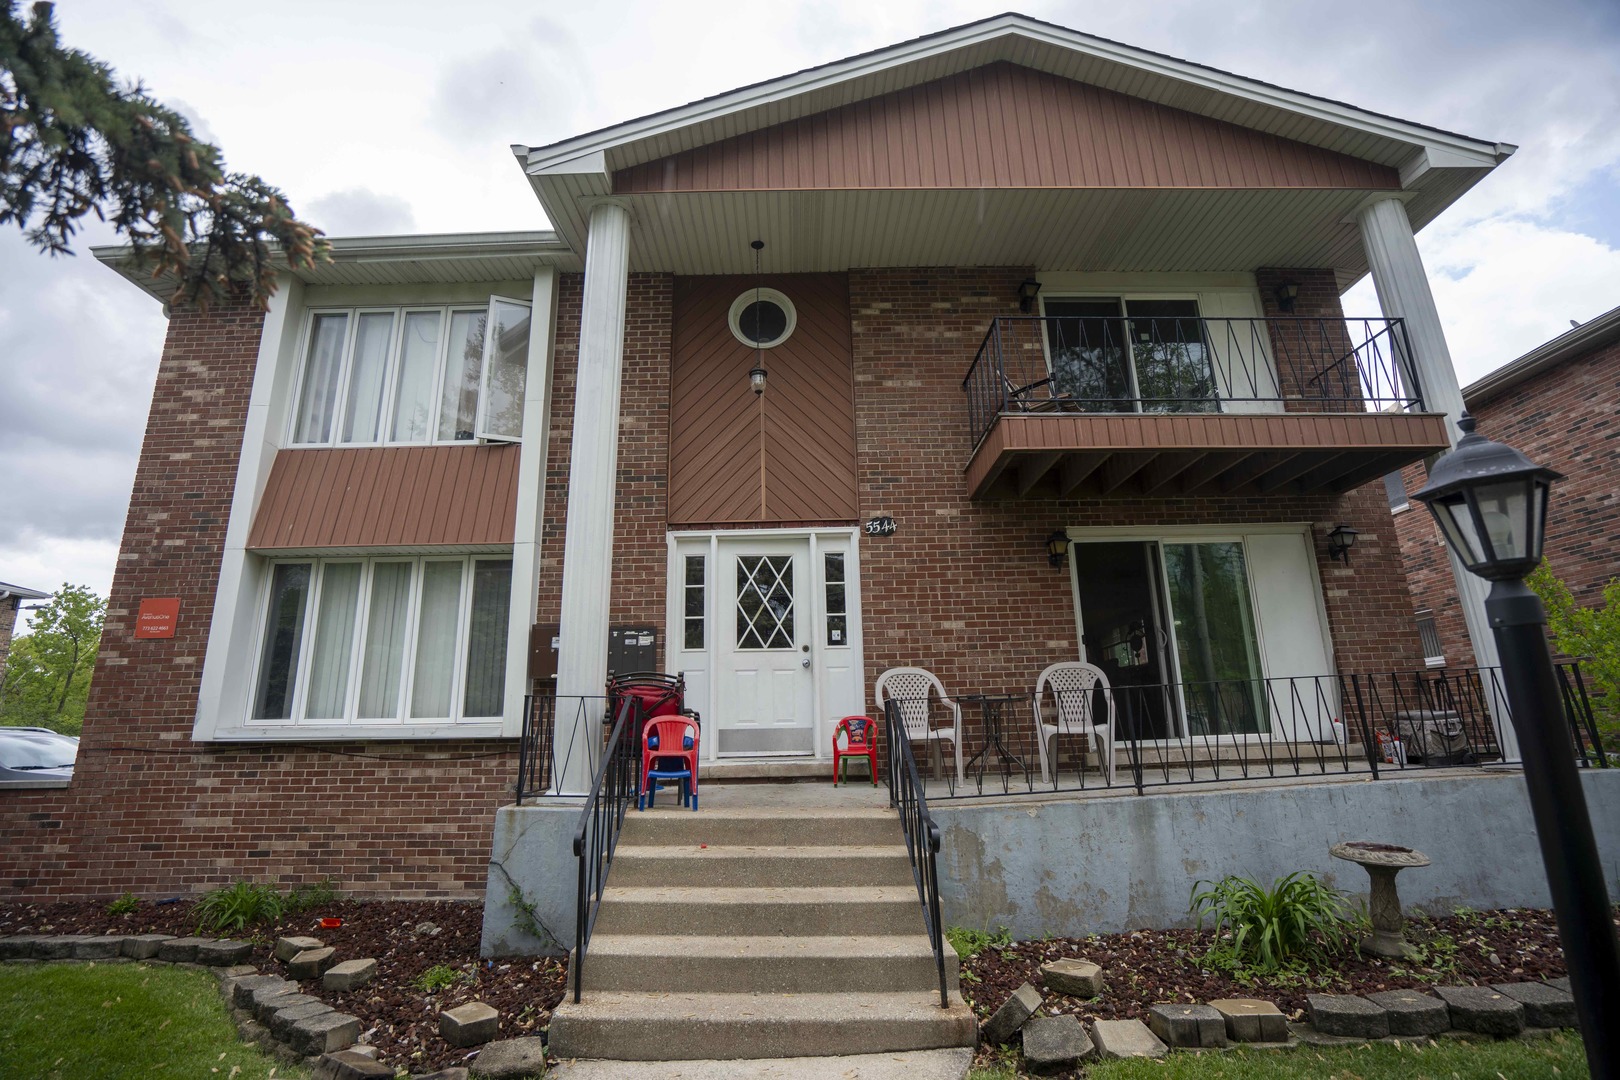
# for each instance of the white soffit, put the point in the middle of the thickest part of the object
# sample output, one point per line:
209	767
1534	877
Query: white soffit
1155	77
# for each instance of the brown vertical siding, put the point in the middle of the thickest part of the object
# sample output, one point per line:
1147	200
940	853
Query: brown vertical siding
786	456
1003	126
391	496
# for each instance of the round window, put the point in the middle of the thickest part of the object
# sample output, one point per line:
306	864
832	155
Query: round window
762	318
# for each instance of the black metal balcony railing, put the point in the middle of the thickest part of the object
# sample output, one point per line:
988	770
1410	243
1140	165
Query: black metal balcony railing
1188	365
1170	734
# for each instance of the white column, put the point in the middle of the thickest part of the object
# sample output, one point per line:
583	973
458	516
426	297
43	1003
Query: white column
592	466
1403	293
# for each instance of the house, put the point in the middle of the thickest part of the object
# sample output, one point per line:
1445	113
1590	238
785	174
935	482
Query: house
809	380
11	598
1558	403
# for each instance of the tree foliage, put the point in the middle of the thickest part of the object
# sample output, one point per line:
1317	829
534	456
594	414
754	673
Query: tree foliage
47	675
73	141
1592	635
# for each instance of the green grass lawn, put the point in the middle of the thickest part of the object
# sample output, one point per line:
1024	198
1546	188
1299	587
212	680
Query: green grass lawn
95	1021
1560	1056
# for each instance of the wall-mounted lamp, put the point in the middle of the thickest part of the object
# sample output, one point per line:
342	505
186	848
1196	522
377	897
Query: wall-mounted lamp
1057	547
1340	541
1028	290
1286	294
756	379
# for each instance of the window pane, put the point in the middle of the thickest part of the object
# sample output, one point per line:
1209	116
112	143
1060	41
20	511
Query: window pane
765	602
318	397
458	405
508	364
1430	637
1395	489
383	659
1215	639
418	357
283	634
436	640
694	628
1173	370
368	371
334	641
486	637
1086	341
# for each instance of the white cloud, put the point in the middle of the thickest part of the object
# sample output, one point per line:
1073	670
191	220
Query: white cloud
359	211
43	562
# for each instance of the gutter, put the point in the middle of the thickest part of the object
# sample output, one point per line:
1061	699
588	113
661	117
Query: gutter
1566	346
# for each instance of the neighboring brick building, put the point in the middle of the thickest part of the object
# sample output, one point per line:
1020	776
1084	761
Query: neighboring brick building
11	599
1559	404
365	498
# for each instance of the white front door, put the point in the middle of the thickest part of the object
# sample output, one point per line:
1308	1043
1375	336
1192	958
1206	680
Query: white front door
766	680
765	628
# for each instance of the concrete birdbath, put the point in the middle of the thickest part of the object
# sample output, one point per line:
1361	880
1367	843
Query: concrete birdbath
1382	862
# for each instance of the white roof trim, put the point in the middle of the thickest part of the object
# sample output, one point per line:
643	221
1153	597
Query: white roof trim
541	159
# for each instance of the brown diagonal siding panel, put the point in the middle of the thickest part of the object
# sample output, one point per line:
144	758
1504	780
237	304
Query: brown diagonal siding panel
382	497
803	428
1004	126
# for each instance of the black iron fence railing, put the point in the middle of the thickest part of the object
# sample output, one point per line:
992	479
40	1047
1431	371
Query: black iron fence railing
549	767
1287	363
922	836
600	821
1129	738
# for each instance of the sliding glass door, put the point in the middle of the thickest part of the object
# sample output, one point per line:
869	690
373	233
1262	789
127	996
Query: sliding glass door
1111	354
1171	623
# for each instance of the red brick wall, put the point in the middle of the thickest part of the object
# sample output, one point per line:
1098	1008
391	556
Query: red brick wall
964	587
1567	418
153	812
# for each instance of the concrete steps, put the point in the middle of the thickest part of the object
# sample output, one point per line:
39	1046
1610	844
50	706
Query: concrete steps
747	933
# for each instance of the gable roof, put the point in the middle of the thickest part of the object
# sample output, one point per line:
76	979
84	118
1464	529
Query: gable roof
9	591
1570	345
1044	46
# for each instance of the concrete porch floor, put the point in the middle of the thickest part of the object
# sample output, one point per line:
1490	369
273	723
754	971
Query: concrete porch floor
806	795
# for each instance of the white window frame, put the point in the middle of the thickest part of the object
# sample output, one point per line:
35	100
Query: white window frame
402	722
340	401
480	431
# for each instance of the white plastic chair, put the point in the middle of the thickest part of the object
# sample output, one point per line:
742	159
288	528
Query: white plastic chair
1073	686
910	686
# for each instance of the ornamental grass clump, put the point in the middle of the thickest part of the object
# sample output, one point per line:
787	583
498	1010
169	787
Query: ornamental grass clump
1297	918
237	907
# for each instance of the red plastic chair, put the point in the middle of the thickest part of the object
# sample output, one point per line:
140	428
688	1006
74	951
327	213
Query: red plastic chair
860	739
669	751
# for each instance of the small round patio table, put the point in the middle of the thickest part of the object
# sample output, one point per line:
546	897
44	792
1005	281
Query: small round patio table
1382	862
991	707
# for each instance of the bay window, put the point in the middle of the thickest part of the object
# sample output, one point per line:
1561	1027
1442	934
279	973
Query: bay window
384	640
409	375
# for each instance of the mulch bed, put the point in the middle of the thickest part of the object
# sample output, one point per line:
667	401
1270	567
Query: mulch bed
1148	967
400	1019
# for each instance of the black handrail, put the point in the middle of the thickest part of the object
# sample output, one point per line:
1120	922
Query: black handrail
921	833
600	822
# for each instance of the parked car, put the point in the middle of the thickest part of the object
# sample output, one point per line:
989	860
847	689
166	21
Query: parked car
34	753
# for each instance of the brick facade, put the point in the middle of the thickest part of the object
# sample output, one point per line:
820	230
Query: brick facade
1568	418
964	588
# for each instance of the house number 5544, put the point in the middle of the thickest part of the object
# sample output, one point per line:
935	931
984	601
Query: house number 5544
880	526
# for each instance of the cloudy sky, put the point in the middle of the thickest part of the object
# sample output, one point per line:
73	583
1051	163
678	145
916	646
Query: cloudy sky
395	117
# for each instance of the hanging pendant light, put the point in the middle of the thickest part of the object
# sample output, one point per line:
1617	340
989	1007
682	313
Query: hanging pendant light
756	376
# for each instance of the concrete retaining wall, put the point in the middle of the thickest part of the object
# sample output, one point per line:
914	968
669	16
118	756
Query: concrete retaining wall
1104	865
1068	867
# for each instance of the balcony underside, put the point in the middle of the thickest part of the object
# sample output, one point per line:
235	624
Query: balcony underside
1170	455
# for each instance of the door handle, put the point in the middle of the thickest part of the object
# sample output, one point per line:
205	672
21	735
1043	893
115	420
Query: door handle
805	662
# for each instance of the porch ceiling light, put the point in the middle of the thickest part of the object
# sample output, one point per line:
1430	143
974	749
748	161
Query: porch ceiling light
1491	503
756	374
1340	541
1028	290
1057	547
1287	293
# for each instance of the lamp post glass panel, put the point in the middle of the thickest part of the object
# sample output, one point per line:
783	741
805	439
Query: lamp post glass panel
1491	503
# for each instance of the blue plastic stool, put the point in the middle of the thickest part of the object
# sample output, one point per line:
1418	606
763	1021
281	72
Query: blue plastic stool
656	774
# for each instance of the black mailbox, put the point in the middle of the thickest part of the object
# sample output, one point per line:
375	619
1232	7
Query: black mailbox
632	648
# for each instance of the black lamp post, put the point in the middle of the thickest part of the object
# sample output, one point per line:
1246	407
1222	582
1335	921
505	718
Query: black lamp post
1491	504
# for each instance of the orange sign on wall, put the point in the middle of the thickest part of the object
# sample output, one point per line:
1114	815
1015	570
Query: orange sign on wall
157	618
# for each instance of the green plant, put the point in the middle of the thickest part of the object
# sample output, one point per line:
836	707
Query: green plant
124	904
968	942
440	977
237	907
1593	635
302	898
1269	928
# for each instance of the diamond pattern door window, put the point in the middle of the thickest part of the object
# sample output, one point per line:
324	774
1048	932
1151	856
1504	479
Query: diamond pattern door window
765	602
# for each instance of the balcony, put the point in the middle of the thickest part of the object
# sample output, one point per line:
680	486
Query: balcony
1156	404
